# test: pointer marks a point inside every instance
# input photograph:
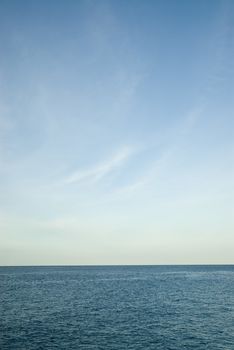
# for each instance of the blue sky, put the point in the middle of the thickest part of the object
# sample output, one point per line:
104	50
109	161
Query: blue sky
116	132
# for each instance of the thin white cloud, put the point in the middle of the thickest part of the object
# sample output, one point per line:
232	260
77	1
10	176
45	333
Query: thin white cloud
100	170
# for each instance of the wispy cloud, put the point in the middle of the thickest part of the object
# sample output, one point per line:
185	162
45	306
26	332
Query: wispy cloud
100	170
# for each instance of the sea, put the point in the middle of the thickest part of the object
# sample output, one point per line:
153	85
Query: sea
117	307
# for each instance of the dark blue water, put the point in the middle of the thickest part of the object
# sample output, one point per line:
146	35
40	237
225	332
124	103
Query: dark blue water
122	307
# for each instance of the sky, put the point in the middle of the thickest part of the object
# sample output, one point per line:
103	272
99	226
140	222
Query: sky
116	132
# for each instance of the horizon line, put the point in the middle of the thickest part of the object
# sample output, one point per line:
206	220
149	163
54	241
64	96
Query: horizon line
117	265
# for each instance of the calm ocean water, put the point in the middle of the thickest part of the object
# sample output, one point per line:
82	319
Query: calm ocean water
121	307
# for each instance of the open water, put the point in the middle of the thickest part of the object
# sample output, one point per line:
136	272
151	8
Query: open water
117	307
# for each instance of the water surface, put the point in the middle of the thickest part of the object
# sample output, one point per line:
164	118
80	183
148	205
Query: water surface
117	307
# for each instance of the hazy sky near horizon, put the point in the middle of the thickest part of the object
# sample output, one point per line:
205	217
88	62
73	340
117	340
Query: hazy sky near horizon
116	132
